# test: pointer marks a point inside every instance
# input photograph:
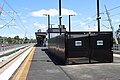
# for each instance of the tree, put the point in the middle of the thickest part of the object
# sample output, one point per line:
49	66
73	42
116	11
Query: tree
9	40
26	40
16	39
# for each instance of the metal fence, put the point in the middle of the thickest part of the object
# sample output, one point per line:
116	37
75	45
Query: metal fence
116	47
4	47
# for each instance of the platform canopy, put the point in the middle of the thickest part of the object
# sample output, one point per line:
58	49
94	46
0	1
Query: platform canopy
40	37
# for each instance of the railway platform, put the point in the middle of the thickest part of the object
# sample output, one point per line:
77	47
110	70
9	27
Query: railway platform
39	66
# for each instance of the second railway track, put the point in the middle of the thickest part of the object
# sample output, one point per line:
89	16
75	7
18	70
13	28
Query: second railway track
12	56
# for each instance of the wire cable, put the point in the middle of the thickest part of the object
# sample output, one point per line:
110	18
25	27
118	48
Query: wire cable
23	26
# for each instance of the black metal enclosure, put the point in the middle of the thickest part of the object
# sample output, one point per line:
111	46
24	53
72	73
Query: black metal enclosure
92	46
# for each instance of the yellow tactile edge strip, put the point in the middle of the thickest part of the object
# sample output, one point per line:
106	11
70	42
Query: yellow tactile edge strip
22	72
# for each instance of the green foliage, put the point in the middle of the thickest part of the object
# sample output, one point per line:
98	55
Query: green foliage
9	40
16	40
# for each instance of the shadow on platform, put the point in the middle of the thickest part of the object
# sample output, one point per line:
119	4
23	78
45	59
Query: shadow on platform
53	58
57	61
37	45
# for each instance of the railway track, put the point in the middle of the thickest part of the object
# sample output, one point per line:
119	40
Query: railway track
6	59
9	60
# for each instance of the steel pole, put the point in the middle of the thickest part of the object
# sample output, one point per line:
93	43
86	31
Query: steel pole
48	26
98	16
60	21
69	24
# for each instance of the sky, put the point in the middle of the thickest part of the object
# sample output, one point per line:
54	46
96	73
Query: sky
25	17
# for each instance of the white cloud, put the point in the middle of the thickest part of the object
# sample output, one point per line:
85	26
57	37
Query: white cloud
24	21
43	27
88	18
117	20
82	24
89	27
92	28
36	24
68	12
1	26
53	12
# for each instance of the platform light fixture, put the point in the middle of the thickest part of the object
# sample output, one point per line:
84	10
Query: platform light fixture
48	24
70	22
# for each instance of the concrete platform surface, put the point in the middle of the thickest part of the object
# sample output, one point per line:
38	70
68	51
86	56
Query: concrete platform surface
42	68
101	71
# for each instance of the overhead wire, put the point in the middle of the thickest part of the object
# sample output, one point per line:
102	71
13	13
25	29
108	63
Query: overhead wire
86	21
9	6
114	15
114	8
73	26
104	12
23	26
6	24
6	13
